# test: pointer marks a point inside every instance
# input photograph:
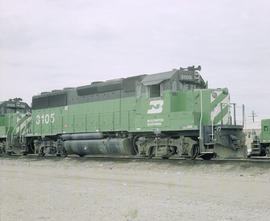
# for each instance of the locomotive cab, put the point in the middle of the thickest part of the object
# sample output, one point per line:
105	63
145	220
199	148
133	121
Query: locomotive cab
178	106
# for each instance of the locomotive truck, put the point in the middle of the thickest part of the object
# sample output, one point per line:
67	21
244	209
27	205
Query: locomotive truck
167	114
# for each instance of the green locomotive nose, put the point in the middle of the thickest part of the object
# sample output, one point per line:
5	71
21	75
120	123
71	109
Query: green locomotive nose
265	131
15	122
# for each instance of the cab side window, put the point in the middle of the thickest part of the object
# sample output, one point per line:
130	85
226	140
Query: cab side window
154	91
265	128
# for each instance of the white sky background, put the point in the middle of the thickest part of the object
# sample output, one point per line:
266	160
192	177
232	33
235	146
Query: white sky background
52	44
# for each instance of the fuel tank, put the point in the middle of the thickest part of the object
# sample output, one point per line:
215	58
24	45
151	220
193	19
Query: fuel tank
82	136
109	146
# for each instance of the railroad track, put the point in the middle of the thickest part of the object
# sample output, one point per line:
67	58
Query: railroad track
136	158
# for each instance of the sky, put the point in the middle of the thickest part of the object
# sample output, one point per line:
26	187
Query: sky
53	44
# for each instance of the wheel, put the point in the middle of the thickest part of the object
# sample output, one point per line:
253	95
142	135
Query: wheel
135	148
207	157
267	151
41	152
194	151
151	152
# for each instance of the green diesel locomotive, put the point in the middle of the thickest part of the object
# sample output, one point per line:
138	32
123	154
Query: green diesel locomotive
261	144
15	121
160	115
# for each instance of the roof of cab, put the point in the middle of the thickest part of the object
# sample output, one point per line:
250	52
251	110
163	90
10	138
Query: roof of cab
158	78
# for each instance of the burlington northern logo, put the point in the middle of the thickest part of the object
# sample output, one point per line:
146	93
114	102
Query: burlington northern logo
156	107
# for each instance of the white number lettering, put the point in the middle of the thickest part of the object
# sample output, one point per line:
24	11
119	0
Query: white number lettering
37	120
52	118
45	118
42	118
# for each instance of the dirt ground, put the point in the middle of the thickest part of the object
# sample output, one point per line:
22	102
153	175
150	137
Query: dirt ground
88	189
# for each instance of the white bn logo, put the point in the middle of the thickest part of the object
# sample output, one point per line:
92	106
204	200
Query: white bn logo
156	107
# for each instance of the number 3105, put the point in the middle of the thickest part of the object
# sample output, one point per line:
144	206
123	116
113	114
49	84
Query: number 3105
45	118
